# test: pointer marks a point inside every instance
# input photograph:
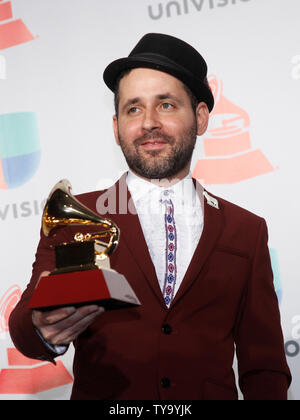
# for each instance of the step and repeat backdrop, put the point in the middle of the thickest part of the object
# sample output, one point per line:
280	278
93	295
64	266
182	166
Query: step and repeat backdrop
56	122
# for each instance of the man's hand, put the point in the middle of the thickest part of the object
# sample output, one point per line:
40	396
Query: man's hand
63	325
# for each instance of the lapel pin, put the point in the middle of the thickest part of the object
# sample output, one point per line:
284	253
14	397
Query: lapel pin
211	200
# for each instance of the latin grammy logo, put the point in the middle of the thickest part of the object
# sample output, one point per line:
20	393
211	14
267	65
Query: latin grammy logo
228	154
14	32
19	374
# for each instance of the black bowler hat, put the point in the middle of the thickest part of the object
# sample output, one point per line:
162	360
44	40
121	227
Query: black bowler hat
171	55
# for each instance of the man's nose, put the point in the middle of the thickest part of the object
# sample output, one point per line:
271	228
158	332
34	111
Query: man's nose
151	120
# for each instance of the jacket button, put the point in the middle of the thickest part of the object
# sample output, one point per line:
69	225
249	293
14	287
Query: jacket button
167	329
165	382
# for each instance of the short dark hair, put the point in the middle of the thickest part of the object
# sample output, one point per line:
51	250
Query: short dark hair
117	88
193	99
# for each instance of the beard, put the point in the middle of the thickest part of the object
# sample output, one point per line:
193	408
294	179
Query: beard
156	164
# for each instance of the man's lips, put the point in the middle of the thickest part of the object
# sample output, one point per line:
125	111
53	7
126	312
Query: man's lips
153	144
153	141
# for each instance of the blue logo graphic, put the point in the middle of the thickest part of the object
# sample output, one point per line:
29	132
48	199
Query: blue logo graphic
19	148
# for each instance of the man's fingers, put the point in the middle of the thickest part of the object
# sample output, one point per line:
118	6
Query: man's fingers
58	315
63	325
41	319
70	334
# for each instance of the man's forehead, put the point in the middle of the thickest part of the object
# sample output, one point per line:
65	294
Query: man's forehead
142	73
144	81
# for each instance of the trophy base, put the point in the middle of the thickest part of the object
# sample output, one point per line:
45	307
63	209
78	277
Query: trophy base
103	287
74	268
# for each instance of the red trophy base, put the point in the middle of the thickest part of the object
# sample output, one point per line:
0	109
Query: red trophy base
103	287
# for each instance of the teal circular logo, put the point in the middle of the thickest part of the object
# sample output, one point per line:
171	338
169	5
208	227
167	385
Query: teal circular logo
19	148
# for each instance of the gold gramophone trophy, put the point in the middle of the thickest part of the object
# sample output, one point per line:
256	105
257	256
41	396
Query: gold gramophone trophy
81	276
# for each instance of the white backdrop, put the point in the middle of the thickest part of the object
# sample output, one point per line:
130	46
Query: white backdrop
56	122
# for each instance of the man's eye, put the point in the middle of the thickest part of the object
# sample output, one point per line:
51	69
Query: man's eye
166	105
133	110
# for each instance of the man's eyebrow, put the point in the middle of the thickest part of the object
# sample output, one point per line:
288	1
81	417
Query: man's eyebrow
131	102
169	96
162	96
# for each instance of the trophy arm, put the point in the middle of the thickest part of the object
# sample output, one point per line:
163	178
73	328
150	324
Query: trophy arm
113	233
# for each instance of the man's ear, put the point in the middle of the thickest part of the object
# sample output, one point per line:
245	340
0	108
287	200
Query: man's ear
116	131
202	116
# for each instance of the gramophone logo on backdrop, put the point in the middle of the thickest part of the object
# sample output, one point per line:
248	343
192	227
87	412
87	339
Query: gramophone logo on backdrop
229	157
14	32
18	374
19	148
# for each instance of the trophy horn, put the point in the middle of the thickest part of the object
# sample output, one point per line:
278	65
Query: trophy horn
63	209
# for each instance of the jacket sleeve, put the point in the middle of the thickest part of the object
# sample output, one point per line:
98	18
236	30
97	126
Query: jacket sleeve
22	331
263	370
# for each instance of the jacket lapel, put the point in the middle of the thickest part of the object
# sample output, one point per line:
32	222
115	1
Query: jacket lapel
212	230
132	235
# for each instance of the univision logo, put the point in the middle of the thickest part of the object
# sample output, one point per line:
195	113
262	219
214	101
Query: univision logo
19	148
177	8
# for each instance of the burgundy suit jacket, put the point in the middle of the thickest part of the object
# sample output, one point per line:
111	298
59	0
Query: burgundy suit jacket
226	301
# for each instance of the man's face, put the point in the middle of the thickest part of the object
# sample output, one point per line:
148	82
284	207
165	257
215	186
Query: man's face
156	126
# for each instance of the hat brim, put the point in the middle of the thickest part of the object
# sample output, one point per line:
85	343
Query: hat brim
161	63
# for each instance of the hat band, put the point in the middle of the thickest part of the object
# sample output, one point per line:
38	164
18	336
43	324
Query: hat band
158	59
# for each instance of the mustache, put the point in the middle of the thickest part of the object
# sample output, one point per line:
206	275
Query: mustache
155	135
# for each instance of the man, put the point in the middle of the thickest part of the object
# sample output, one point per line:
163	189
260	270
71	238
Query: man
199	265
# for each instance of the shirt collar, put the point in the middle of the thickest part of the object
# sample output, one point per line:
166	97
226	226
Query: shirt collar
141	189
